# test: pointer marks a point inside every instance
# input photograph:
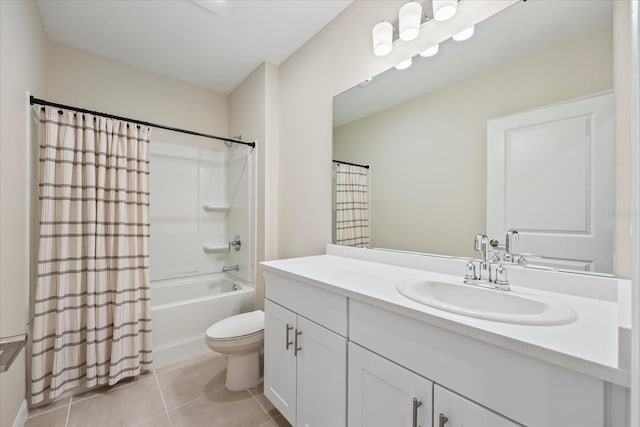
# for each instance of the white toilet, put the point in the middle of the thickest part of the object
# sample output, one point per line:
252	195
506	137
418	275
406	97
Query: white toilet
241	337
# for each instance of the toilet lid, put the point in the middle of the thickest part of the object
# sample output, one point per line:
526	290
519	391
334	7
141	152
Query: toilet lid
237	326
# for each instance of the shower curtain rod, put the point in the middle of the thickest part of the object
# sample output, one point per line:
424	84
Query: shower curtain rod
352	164
33	100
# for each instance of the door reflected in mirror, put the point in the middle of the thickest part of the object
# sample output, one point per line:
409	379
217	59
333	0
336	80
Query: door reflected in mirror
511	129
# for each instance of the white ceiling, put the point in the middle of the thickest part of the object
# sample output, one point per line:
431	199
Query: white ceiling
514	33
180	39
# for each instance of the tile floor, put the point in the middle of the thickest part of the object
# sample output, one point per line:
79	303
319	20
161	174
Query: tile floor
188	394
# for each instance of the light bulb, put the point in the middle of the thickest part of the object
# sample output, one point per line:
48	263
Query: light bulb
382	35
409	18
430	51
444	9
404	64
464	34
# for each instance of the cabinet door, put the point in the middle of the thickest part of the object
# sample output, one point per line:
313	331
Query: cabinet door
279	361
461	412
322	376
382	393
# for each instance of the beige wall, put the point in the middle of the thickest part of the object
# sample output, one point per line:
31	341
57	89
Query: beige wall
79	78
22	62
428	155
337	58
622	152
251	108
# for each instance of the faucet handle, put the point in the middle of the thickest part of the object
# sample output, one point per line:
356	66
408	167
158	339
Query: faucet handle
494	256
523	259
471	273
477	243
501	276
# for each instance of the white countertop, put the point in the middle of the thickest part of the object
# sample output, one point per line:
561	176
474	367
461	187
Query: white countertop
589	345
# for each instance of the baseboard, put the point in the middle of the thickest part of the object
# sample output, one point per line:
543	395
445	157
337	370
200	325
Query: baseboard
21	418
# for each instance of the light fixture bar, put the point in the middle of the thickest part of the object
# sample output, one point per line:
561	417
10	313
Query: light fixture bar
424	9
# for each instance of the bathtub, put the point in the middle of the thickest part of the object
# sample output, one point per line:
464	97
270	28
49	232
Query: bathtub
183	309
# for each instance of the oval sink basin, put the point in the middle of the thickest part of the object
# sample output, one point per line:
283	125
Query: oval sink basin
501	306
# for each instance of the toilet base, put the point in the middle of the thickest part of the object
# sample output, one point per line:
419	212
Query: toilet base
243	371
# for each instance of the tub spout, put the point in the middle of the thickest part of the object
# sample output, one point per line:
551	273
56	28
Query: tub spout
226	268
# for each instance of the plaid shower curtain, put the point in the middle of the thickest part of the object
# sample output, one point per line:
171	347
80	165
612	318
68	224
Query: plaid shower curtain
92	315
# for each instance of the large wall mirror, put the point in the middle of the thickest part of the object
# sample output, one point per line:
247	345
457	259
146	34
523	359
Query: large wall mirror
511	129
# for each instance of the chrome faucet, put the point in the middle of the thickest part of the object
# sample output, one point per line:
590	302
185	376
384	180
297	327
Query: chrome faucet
512	236
226	268
486	273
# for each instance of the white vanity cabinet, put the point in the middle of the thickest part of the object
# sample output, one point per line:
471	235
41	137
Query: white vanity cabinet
383	394
521	388
279	358
305	362
452	410
374	357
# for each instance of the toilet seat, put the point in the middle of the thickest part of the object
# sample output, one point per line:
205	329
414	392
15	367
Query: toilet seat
243	325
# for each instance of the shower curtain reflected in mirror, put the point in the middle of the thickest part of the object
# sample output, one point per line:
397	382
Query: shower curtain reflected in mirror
351	205
92	315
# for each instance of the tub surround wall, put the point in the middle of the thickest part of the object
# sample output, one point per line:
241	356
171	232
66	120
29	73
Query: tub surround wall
240	218
23	49
253	114
185	180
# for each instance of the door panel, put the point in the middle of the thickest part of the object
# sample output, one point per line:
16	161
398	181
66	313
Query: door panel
322	376
381	393
550	176
461	412
280	363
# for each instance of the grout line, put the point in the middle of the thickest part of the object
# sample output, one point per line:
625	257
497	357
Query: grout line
104	388
164	403
260	405
263	408
66	421
183	363
200	396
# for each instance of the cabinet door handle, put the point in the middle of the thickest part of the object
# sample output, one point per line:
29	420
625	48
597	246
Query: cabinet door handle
442	420
296	349
416	405
286	340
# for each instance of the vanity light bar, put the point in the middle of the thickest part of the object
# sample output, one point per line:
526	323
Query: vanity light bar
410	19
